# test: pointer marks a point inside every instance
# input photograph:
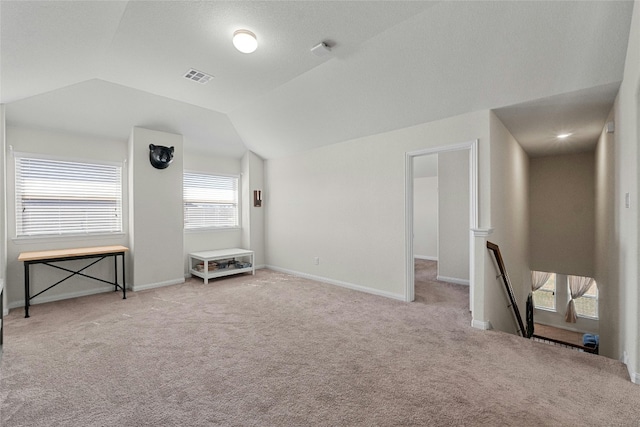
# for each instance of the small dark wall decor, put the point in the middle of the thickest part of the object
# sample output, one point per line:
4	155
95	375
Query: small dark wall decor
257	198
160	156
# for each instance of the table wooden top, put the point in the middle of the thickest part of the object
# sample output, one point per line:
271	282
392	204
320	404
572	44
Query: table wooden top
68	253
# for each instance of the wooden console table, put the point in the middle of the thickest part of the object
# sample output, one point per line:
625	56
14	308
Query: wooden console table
47	257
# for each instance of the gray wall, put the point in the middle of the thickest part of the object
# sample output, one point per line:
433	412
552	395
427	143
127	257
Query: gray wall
627	160
158	239
69	146
156	213
3	222
605	275
425	217
203	240
253	216
453	216
562	206
509	223
345	204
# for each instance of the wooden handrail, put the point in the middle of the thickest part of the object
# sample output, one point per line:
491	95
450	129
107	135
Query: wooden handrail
507	284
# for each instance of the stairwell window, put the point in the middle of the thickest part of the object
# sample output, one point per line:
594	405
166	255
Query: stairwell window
587	304
544	297
210	201
60	198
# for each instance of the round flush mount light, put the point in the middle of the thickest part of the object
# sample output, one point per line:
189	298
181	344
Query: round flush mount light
245	41
564	135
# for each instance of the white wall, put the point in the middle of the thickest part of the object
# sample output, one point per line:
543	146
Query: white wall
253	216
150	194
3	204
425	217
562	208
344	203
211	239
68	146
156	213
453	214
604	257
627	158
510	222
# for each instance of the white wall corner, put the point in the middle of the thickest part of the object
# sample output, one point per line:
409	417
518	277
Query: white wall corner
136	288
339	283
634	376
454	280
426	257
479	324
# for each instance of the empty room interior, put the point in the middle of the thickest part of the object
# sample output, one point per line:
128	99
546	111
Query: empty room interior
281	213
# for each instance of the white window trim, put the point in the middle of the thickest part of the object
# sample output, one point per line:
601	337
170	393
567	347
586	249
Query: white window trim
549	309
597	298
239	204
555	297
19	239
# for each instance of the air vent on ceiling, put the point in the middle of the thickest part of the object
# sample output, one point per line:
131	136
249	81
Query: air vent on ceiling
198	76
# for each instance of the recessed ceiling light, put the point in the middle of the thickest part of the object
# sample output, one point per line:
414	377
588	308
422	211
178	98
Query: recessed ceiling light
564	135
245	41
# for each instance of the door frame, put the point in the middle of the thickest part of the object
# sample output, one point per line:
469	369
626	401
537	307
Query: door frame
472	147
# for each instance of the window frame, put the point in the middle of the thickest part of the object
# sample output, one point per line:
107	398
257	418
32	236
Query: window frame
553	292
18	182
596	298
238	202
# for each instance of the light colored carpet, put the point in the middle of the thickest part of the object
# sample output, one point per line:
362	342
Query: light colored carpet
277	350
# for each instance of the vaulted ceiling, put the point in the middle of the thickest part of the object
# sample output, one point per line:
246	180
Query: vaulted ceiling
102	67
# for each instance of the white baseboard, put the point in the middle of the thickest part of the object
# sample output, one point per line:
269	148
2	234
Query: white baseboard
478	324
157	284
453	280
427	257
635	377
59	297
339	283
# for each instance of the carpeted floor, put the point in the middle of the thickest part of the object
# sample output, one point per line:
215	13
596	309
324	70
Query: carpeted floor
277	350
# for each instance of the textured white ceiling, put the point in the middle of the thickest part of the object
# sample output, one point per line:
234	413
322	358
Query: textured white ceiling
102	67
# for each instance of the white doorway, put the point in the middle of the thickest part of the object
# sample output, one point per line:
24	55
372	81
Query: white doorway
471	148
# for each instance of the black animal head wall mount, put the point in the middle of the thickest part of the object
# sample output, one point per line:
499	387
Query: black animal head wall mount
160	156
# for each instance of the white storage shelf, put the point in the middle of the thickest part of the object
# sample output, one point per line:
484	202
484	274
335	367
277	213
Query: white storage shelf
204	257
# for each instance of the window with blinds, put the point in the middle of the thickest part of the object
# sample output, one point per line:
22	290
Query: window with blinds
210	201
63	198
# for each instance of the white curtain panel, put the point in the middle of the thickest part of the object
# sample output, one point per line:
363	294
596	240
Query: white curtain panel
538	279
578	285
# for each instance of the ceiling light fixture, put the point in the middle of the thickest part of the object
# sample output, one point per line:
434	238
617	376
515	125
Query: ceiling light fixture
564	135
245	41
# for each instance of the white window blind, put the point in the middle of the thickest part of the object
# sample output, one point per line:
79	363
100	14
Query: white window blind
60	198
210	201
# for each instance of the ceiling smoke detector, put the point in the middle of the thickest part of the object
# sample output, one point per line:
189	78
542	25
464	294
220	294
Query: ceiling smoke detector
321	49
198	76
